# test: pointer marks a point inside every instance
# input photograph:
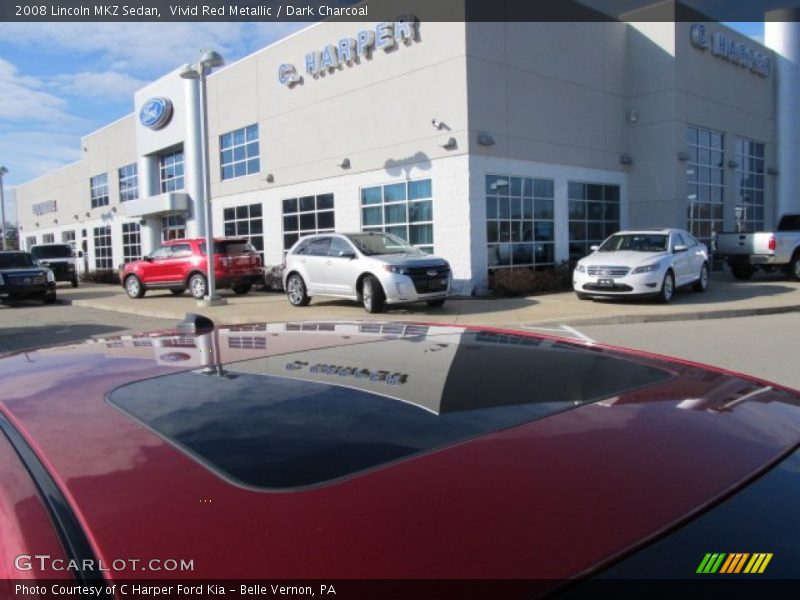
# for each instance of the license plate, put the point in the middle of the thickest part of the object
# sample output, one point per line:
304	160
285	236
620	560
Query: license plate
605	283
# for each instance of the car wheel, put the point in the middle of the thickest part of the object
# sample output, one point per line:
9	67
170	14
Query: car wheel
177	292
794	267
742	272
436	303
372	296
134	287
296	291
74	283
701	285
198	286
241	289
667	288
49	298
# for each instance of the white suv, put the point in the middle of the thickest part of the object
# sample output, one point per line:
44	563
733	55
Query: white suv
372	268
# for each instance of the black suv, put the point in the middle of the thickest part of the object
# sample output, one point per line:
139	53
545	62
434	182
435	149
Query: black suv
22	277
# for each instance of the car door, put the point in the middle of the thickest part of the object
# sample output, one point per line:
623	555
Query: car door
341	268
152	271
173	265
314	263
681	261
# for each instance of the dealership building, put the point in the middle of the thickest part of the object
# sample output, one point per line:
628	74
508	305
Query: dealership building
494	145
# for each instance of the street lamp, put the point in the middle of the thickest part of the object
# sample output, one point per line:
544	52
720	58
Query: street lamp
3	171
209	60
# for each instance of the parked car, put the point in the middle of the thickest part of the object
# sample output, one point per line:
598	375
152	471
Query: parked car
767	250
370	267
178	265
60	259
385	451
643	263
21	277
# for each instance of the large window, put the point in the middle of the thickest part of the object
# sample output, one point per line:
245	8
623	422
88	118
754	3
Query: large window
128	183
705	180
173	227
750	208
131	242
593	215
68	237
519	221
49	238
246	220
307	215
239	152
404	209
99	190
170	170
102	248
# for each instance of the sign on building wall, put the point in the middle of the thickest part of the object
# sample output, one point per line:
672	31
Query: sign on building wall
44	208
724	46
350	50
156	113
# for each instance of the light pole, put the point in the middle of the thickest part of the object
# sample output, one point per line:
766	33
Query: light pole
3	171
209	60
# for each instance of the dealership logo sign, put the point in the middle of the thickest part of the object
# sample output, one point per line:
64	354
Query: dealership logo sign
349	51
43	208
727	48
156	113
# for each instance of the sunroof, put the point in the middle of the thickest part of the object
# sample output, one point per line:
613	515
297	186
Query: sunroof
312	417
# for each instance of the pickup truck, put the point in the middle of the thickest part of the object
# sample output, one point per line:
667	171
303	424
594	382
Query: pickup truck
770	251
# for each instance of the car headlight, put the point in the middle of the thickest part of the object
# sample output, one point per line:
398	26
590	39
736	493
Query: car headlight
51	278
580	268
646	269
395	269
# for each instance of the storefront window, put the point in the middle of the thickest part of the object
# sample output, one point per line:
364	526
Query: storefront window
519	222
705	171
131	242
404	209
68	237
239	152
102	248
49	238
593	215
246	221
173	228
749	211
307	215
30	242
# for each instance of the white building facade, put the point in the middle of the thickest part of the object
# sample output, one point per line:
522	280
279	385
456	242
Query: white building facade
495	145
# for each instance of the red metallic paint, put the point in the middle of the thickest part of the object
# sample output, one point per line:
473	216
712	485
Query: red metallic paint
550	499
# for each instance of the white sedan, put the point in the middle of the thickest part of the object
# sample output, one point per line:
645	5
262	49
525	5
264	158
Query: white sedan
642	263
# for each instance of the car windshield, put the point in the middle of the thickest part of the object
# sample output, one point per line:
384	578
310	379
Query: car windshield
636	242
372	244
16	260
230	247
58	251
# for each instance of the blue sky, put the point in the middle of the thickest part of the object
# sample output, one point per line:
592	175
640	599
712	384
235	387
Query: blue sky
61	81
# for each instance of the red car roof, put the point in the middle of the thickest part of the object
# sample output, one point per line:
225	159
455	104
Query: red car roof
550	498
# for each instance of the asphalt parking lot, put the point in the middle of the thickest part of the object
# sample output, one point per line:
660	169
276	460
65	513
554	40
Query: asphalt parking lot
744	326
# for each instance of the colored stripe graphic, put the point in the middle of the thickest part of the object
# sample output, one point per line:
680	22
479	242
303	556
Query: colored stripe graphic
733	563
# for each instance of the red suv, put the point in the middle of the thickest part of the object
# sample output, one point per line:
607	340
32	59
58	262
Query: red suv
180	264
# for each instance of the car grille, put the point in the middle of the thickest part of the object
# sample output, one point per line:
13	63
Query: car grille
26	279
600	288
602	271
425	282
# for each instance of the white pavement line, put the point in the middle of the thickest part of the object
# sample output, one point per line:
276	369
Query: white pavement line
560	330
578	334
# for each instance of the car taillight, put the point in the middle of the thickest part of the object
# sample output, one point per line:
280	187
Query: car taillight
771	244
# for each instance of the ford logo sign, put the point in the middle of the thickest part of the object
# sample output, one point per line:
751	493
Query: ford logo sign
432	272
156	113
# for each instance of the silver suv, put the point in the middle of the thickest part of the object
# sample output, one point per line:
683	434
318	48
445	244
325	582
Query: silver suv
371	268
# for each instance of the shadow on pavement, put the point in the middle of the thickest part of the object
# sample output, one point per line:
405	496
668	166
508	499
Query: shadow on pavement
28	338
453	306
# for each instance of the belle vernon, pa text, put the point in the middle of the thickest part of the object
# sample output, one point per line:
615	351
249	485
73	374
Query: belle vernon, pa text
179	10
206	590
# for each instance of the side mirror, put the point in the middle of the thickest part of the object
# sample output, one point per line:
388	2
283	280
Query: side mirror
79	254
347	254
594	248
680	248
147	258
